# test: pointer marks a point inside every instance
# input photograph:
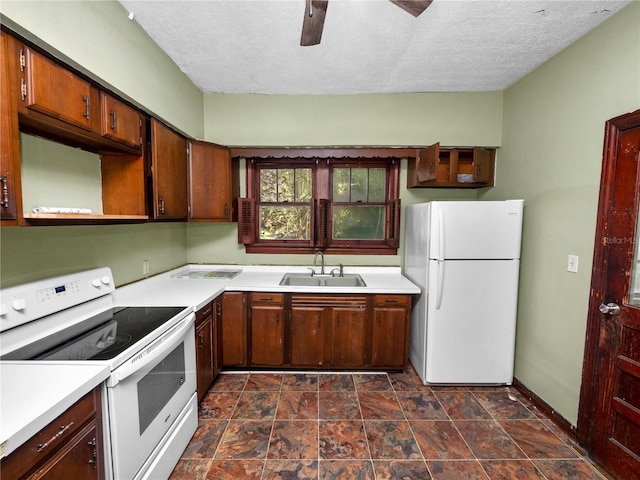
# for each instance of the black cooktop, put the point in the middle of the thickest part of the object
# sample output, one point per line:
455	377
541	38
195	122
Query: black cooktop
101	337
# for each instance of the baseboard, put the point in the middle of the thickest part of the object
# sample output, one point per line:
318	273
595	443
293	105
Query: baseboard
546	409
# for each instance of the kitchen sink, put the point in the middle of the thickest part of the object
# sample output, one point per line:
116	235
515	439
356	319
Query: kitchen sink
306	280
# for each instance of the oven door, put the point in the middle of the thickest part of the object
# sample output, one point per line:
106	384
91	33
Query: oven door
146	395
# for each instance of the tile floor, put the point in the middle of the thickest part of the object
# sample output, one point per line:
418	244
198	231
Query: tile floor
303	426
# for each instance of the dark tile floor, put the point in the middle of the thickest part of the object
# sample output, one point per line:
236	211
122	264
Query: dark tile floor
293	426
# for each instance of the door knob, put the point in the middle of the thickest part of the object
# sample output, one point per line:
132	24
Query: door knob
610	308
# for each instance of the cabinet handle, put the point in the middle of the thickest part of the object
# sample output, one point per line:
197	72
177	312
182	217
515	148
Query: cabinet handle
266	299
201	337
226	209
85	99
5	192
391	300
161	208
114	121
318	318
94	454
59	433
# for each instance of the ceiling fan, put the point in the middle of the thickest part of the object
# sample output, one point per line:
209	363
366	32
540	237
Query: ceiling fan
316	10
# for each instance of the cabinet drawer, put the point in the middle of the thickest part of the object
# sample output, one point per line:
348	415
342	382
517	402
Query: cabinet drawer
48	440
267	298
204	313
392	299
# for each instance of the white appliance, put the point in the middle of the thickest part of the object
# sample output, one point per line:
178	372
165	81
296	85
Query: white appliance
149	400
465	257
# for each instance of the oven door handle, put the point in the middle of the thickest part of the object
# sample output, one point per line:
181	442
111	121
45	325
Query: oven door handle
153	352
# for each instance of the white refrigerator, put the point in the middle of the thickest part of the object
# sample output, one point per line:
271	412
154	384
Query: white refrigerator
465	257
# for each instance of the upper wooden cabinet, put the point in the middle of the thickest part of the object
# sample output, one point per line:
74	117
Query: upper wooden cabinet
55	91
213	183
434	167
169	173
120	122
9	138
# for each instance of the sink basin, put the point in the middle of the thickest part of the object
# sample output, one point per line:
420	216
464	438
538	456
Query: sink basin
306	280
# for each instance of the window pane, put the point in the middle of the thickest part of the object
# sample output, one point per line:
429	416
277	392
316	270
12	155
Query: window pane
341	184
303	185
268	185
359	184
355	222
286	185
377	184
285	222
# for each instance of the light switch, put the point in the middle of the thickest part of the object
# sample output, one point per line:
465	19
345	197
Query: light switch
572	264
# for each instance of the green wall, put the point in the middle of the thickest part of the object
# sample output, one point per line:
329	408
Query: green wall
99	36
551	156
453	119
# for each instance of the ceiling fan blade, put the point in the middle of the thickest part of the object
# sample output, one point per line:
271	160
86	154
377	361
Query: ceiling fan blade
414	7
313	22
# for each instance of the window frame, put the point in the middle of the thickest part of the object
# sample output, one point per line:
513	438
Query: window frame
322	209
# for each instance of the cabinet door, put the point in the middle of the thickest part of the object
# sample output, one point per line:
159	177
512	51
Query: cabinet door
426	162
483	161
308	334
55	91
349	337
211	183
78	458
389	337
234	330
9	139
204	356
267	335
216	336
169	171
120	122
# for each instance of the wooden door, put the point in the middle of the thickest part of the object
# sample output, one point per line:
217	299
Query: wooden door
609	414
389	337
210	182
169	170
10	195
349	337
267	335
234	329
307	335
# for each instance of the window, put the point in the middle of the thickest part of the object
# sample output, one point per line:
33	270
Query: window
339	205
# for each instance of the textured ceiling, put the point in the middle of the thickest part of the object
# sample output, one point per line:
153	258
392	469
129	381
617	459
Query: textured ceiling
368	46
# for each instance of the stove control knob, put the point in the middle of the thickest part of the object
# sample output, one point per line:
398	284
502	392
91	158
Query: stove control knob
96	282
19	304
106	280
3	309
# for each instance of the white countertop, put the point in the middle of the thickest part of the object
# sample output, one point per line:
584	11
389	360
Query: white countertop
163	290
33	394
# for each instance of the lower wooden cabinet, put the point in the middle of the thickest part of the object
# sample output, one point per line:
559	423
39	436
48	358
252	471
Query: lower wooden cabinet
234	329
315	330
390	332
70	447
204	349
266	325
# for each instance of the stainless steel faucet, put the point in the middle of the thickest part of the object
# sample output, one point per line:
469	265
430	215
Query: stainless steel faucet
315	262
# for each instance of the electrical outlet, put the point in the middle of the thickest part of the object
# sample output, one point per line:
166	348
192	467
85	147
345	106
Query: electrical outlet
572	264
145	267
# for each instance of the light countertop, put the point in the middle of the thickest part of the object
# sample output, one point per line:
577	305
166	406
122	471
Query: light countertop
33	394
165	290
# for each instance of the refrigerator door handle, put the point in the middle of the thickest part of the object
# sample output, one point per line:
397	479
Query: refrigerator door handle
440	287
440	235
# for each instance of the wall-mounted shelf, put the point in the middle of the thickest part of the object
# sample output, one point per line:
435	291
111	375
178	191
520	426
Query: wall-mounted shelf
435	167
